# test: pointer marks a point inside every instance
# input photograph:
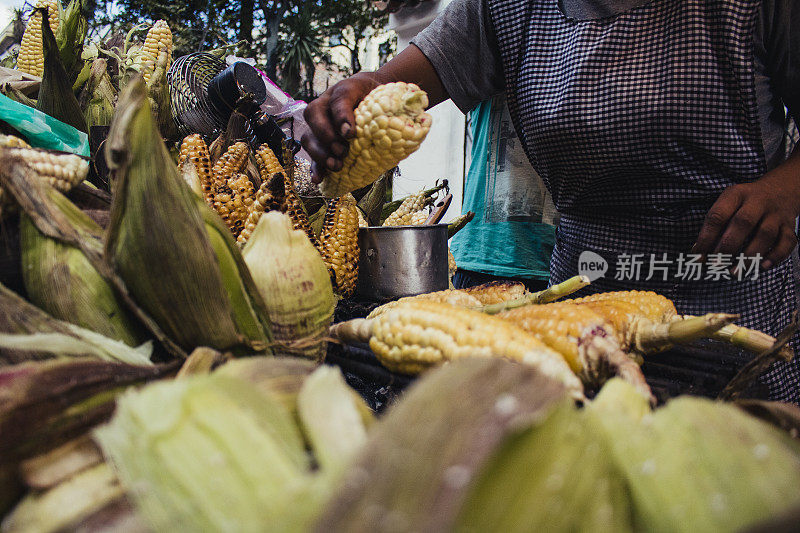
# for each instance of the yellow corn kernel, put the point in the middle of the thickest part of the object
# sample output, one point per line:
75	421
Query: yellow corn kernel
649	304
418	334
158	42
497	291
269	165
338	243
402	215
455	297
195	150
269	197
390	125
12	141
31	49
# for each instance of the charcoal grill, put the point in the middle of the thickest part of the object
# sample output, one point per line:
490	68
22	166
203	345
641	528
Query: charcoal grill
703	368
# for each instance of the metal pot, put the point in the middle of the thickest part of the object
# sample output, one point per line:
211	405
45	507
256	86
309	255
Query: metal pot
399	261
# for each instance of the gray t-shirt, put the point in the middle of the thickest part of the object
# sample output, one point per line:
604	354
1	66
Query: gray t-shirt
461	46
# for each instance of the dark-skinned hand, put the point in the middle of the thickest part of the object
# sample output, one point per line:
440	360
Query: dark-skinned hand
755	218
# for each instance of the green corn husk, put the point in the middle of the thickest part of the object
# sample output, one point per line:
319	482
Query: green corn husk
700	465
27	333
331	417
70	36
279	377
160	244
459	223
158	90
65	506
554	476
315	220
295	284
55	93
98	95
414	471
60	279
372	202
208	453
391	207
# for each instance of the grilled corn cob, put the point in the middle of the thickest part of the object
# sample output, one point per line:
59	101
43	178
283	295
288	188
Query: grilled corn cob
157	42
362	223
271	196
31	49
268	165
390	125
229	163
242	198
497	291
456	297
12	141
586	341
338	243
403	215
195	150
416	335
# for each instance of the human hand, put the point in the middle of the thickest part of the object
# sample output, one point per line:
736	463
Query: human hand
754	218
332	122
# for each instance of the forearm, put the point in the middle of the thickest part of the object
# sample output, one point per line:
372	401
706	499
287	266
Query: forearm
411	66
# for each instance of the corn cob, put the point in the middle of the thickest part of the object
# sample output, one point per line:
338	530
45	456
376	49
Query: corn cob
230	163
362	223
242	193
270	197
338	243
418	218
390	125
451	264
403	215
31	49
157	42
497	291
62	171
416	335
268	165
195	150
457	297
12	141
587	342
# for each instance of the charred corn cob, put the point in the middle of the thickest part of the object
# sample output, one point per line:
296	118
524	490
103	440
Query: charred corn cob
390	125
416	335
12	141
338	243
230	163
242	198
586	341
268	165
403	215
158	42
271	196
195	150
31	49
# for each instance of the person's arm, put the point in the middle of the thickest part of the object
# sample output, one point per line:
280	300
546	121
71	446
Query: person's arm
331	115
759	217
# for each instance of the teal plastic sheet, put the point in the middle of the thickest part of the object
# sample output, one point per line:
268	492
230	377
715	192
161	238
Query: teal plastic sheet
42	130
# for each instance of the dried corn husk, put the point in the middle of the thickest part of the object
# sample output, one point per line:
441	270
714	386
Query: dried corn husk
416	466
208	453
160	241
55	94
50	469
61	280
294	283
98	95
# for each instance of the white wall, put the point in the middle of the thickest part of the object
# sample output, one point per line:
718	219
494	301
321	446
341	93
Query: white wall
441	155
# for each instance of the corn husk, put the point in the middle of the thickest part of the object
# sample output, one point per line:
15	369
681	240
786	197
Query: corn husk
98	95
698	465
332	419
279	377
70	36
295	285
415	469
553	477
60	279
159	240
56	466
55	94
27	334
64	506
208	453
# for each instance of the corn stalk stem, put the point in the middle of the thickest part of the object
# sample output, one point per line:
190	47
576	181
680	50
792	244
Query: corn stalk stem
751	340
551	294
651	336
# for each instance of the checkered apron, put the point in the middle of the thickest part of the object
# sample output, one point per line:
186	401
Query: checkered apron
637	123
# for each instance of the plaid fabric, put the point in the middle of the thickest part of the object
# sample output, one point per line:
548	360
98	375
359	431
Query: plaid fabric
637	123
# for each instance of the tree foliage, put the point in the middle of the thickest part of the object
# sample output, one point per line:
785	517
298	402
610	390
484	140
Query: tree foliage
287	37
